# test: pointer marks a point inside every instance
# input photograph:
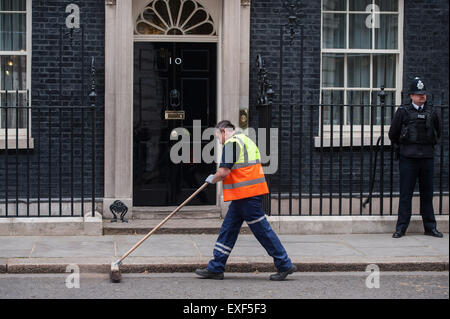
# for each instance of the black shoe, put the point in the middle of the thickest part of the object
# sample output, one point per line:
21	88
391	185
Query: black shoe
206	274
398	234
279	276
434	233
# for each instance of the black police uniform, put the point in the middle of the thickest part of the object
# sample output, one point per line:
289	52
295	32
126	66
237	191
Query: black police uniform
416	132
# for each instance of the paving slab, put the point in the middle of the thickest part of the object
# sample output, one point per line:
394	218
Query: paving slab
74	246
443	248
167	245
310	238
12	246
440	244
321	249
400	251
379	240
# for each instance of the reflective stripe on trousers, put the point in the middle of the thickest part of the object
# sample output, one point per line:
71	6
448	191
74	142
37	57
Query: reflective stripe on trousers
249	210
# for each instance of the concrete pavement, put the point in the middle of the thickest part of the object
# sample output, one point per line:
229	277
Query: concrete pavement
186	252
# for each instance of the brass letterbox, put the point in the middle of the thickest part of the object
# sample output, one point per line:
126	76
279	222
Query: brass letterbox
174	115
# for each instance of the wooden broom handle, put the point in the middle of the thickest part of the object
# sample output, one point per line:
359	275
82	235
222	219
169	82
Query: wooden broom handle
163	222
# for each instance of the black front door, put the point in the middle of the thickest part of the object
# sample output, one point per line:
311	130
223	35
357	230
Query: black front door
174	84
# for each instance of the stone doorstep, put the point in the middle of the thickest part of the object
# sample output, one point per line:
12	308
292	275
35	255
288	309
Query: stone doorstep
168	231
237	264
187	212
173	226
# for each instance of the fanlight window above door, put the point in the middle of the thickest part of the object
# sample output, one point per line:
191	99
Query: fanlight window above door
175	17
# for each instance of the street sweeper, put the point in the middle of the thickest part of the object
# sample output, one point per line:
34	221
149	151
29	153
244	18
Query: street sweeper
244	185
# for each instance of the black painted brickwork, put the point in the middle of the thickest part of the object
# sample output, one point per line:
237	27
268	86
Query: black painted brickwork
47	19
426	55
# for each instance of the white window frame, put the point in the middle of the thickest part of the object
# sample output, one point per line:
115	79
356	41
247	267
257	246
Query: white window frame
22	132
399	74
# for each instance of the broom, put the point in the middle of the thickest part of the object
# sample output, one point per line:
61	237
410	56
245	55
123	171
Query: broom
115	274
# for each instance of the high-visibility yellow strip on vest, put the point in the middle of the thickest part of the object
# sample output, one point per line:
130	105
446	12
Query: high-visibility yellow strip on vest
247	177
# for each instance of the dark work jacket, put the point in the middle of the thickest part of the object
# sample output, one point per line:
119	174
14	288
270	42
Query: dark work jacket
401	119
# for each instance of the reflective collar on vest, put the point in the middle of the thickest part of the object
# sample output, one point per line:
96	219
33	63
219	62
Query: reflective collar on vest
243	147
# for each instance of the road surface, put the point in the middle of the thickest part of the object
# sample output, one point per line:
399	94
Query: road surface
392	285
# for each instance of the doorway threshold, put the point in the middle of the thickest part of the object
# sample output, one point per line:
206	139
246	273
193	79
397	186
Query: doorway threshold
174	226
187	212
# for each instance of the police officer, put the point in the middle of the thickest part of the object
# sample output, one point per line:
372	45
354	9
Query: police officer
243	184
416	129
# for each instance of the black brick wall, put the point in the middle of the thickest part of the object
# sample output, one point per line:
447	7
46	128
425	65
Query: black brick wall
426	44
48	17
426	55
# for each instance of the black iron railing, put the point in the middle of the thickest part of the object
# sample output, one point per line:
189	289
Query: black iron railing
47	159
336	159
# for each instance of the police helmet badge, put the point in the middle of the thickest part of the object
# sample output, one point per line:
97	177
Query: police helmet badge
417	86
420	85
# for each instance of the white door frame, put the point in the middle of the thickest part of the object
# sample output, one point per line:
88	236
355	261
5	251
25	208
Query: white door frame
232	86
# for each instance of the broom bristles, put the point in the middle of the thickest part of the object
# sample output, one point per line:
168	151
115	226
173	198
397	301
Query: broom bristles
115	274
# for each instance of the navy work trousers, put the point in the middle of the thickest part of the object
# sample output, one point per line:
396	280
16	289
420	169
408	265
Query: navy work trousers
249	210
411	170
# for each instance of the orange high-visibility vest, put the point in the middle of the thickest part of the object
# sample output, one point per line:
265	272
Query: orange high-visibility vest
247	177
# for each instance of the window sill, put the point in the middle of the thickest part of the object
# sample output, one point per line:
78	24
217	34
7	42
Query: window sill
346	141
22	143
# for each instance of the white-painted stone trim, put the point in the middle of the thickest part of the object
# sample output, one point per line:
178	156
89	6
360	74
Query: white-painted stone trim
52	226
107	202
119	101
21	142
320	225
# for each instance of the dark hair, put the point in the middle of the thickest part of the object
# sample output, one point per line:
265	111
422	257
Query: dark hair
225	124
